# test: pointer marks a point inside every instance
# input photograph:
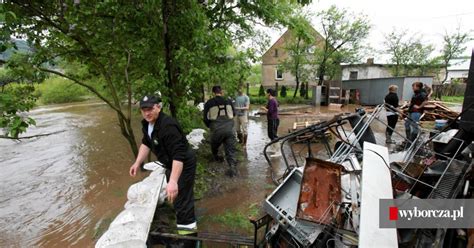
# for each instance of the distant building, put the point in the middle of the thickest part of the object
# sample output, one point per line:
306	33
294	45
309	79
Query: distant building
371	70
274	57
458	70
365	70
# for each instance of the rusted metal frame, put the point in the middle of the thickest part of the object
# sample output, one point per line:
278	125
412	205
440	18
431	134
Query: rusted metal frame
257	224
320	189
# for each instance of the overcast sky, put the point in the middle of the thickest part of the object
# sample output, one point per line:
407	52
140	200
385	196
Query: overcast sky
429	18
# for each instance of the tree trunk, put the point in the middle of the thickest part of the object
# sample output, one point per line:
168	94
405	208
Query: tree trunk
172	78
306	94
131	138
321	72
445	73
297	85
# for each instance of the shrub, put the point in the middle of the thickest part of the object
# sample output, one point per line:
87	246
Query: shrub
258	100
303	90
189	118
283	91
59	90
261	91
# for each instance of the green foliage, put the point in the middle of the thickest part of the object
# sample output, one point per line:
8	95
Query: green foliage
60	90
453	99
261	91
14	99
255	77
190	118
258	100
454	45
283	91
409	54
300	47
201	185
123	49
344	34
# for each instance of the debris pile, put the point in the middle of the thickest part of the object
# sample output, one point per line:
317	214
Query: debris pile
335	202
434	110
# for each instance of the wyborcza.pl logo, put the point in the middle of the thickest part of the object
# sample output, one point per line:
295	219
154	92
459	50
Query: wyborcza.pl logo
426	213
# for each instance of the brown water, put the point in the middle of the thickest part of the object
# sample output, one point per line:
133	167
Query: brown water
64	189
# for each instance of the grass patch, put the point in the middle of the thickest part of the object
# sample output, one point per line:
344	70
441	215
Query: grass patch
201	185
237	220
453	99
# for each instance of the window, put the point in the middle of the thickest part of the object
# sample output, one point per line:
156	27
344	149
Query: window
276	53
353	75
279	74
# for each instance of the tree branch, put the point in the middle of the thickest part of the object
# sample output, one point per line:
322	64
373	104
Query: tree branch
30	137
90	88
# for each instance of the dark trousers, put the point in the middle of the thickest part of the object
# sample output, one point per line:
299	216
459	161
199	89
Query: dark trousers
184	202
226	137
392	122
273	128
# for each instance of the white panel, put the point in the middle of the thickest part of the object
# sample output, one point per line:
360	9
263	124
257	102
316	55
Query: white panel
376	184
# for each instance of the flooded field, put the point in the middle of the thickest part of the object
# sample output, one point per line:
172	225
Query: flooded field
64	189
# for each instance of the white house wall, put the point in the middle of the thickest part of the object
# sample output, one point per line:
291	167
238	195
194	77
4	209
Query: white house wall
457	74
366	72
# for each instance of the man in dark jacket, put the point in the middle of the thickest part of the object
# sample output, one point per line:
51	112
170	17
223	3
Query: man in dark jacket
163	136
415	110
218	116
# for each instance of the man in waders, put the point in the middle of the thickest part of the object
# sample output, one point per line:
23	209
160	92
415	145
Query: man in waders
163	136
218	116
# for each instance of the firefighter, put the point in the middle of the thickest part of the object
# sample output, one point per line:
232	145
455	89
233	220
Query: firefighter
163	136
218	116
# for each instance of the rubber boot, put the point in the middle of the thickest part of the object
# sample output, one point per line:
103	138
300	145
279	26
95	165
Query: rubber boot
388	138
240	138
244	140
218	158
276	150
232	171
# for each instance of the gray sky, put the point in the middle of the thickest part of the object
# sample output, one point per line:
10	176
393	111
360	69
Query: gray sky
428	18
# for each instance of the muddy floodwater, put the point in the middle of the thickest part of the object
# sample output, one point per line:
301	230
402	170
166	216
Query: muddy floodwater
62	190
